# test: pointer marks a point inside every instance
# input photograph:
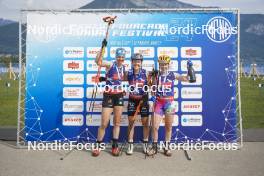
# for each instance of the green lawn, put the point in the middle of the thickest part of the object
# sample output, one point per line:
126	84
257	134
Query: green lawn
8	101
252	102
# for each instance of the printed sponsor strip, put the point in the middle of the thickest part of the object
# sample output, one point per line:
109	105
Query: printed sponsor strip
73	92
72	120
73	52
73	79
72	106
191	106
191	120
93	51
191	52
191	92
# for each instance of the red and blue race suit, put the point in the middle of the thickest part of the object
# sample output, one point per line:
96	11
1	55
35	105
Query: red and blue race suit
114	78
138	83
113	94
165	94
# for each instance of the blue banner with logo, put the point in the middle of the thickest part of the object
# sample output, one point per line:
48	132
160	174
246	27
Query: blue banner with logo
61	51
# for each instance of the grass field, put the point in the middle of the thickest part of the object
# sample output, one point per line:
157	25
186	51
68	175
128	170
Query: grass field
8	101
252	102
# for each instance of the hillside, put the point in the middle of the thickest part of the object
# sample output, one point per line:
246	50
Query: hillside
252	27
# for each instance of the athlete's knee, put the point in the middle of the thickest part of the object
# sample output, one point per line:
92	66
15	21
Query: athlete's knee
116	124
156	128
168	128
131	124
117	120
103	126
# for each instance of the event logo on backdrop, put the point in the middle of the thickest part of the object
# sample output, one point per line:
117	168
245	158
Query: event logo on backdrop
61	51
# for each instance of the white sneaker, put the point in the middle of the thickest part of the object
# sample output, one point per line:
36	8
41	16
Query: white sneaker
130	149
145	147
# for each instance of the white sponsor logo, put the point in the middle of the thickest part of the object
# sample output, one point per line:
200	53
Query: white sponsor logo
92	66
191	92
93	120
93	51
73	79
197	65
191	52
219	29
147	52
73	52
169	51
72	106
72	120
175	121
73	92
89	92
96	106
198	81
148	65
191	120
191	106
73	65
113	51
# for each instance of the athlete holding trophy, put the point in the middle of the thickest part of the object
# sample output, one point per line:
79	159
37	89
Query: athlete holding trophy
163	100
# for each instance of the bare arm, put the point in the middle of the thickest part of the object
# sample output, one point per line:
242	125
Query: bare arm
182	78
99	60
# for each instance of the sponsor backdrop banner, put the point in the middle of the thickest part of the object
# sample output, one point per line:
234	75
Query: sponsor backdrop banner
61	49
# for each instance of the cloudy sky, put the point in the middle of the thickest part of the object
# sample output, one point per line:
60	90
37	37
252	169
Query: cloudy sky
246	6
9	9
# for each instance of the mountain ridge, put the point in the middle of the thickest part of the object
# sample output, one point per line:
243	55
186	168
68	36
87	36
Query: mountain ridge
252	27
109	4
